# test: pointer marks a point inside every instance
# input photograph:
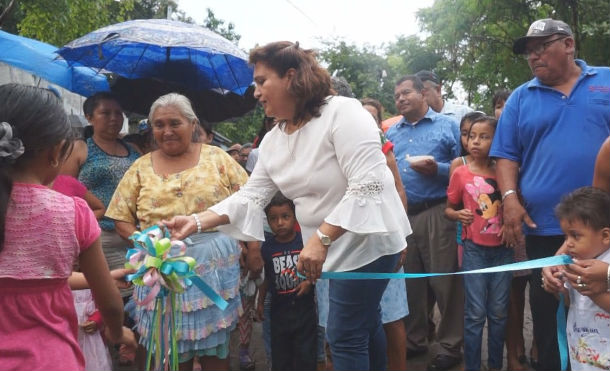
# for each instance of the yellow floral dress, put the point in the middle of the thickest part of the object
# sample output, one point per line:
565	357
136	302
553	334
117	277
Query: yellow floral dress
144	198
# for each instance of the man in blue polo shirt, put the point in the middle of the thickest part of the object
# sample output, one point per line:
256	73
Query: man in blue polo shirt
432	246
546	142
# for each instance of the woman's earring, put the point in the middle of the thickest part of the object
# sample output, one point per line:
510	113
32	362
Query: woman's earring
54	163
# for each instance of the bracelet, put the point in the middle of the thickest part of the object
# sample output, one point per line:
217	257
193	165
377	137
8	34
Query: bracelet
197	221
608	278
508	193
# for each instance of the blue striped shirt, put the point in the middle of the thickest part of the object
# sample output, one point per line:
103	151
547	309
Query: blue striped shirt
436	135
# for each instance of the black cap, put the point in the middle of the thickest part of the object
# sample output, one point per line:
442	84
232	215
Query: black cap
541	28
428	76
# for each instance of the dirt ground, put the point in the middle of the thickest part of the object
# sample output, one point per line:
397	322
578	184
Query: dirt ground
420	363
257	349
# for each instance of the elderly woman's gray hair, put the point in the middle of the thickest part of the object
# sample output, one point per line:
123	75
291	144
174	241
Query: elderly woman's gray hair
179	101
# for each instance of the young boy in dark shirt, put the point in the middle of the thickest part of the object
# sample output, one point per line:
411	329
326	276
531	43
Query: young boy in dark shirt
293	312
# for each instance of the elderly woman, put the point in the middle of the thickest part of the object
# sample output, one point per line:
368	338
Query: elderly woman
325	155
99	163
185	177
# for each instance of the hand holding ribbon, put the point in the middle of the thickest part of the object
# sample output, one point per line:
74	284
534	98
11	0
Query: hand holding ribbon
158	267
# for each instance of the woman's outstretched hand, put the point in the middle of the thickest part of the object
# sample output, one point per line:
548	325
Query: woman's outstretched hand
180	226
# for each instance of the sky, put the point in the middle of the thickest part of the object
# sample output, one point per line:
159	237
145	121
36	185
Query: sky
307	21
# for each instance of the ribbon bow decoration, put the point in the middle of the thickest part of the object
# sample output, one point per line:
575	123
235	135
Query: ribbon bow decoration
162	265
157	268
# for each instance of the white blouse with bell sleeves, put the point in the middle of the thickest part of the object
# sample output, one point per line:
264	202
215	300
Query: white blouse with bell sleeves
334	171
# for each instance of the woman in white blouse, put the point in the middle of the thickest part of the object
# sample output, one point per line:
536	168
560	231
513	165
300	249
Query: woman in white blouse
326	156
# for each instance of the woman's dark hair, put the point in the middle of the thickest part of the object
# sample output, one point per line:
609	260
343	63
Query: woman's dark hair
93	101
491	121
469	117
88	132
38	120
374	103
311	83
500	95
278	200
91	104
588	205
262	132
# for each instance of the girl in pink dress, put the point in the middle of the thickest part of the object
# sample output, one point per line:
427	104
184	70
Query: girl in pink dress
42	234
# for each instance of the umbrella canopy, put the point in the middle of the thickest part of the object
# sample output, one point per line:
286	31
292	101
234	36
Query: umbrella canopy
137	95
182	54
41	60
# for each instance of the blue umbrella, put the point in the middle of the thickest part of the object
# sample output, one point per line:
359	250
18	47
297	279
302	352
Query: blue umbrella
179	53
40	59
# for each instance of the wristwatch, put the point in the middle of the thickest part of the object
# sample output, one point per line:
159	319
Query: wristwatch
326	241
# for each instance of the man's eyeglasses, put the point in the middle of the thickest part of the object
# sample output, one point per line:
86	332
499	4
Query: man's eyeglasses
540	48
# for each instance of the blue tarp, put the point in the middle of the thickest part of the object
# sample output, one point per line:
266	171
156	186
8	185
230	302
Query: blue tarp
40	59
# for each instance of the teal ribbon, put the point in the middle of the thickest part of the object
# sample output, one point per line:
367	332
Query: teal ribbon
562	336
530	264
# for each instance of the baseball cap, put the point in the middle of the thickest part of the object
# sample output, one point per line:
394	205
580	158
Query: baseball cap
425	75
234	148
541	28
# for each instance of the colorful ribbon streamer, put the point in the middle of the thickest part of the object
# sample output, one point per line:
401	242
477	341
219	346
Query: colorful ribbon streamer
162	265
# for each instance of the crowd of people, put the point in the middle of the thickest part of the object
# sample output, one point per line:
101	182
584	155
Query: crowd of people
324	187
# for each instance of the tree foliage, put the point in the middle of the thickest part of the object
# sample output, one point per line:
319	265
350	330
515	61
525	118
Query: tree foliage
243	129
60	21
476	46
218	25
469	46
373	70
468	43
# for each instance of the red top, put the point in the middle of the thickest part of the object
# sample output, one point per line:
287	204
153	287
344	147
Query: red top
480	195
387	147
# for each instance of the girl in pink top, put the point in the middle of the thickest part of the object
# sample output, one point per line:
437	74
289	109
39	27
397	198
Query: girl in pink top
70	186
474	199
42	234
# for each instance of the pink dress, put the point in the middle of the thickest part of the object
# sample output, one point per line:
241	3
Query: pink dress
44	233
96	354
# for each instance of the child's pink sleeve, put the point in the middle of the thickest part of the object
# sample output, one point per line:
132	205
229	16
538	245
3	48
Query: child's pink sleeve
454	191
79	188
69	186
86	227
97	318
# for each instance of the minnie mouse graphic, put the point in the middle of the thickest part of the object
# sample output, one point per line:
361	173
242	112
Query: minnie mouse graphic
485	192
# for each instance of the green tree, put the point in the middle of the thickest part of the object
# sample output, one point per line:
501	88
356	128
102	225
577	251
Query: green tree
10	14
59	21
476	46
156	9
218	25
243	129
373	70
